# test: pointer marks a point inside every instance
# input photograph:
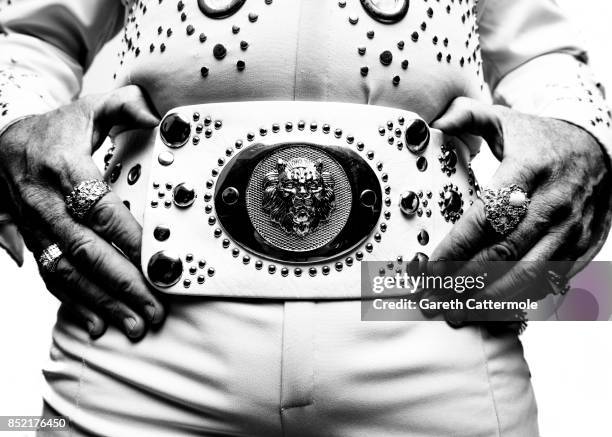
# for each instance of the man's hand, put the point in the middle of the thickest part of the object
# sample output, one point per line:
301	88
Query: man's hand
42	158
565	173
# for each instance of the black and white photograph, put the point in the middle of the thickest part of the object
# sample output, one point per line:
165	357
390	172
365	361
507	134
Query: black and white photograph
305	218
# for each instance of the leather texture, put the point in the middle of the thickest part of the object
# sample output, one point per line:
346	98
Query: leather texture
193	238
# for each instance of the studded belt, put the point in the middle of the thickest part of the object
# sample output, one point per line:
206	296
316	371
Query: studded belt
286	199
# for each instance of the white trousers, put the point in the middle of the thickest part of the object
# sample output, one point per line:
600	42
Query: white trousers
271	368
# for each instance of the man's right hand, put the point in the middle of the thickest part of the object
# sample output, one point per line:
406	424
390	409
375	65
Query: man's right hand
42	159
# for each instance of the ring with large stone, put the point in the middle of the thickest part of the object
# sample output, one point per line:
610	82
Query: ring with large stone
505	208
49	258
84	197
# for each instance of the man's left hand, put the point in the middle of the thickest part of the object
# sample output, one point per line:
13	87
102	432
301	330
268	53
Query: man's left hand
564	171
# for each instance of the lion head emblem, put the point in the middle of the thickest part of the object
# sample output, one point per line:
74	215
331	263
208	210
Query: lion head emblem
299	195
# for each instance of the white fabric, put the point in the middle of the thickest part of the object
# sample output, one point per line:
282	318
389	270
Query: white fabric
299	369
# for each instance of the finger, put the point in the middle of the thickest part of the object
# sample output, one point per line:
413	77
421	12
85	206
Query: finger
530	273
74	289
127	107
465	115
82	315
109	217
82	290
472	232
101	261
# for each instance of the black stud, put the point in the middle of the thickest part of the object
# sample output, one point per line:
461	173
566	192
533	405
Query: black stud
240	65
134	174
421	164
174	130
165	269
417	136
219	51
423	237
386	57
364	71
183	195
230	196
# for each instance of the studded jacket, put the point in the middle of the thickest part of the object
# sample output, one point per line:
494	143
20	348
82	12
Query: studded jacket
520	53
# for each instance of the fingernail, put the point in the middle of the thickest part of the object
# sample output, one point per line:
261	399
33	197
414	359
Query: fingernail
152	312
129	323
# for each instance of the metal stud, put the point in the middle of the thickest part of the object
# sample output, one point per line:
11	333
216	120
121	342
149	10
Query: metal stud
165	269
174	130
409	203
183	195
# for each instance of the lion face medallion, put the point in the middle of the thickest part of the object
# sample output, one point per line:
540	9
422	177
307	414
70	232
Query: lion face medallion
299	195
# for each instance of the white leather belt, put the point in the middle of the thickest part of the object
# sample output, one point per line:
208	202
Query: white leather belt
285	199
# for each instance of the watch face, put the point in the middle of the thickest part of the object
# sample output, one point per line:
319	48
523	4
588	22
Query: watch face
298	202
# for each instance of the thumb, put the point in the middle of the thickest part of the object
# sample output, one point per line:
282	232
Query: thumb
469	116
125	107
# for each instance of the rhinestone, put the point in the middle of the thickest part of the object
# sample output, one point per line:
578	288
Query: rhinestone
370	34
359	256
201	279
253	17
240	65
361	50
244	45
339	266
325	270
297	271
246	259
204	71
312	271
211	272
364	71
284	271
271	269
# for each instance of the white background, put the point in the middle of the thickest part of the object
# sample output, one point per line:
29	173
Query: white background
571	363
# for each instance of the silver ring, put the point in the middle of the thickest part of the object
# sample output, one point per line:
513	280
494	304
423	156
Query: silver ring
505	208
49	258
84	197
